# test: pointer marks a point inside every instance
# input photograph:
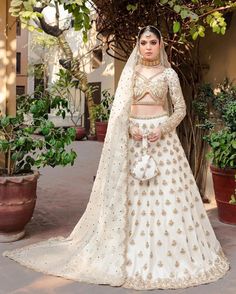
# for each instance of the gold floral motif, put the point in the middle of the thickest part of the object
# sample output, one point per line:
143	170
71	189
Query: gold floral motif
144	193
167	202
148	203
159	243
161	192
136	192
161	163
173	243
191	205
136	222
140	254
157	202
129	262
152	193
152	212
160	264
147	224
178	200
133	213
182	251
164	182
207	233
174	161
185	208
202	215
167	172
169	253
172	191
159	153
139	202
165	149
180	189
151	234
177	264
171	152
158	222
174	171
143	212
129	203
208	244
183	220
163	212
185	164
175	211
196	199
171	222
203	257
168	162
166	233
132	242
179	231
180	168
147	245
190	228
142	233
173	181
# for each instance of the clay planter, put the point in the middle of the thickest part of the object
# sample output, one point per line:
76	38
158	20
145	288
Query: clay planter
80	133
17	202
101	129
224	187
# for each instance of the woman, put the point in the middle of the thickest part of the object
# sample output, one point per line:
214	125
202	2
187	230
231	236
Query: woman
141	234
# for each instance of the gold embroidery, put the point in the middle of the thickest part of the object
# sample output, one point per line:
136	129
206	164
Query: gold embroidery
166	233
158	222
167	202
152	193
139	202
133	213
136	223
132	242
177	264
169	253
173	243
151	234
140	254
160	264
142	233
129	203
148	203
171	222
152	212
143	212
175	211
144	193
167	172
159	243
151	255
157	202
163	212
147	245
179	231
182	251
147	224
161	192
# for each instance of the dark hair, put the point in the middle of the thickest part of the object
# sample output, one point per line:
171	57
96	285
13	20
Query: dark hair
152	29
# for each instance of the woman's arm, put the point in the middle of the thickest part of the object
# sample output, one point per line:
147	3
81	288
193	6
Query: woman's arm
177	100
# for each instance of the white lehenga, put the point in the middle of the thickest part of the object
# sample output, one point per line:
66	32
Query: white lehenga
131	234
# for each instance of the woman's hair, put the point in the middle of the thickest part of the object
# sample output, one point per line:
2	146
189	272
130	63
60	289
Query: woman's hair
151	29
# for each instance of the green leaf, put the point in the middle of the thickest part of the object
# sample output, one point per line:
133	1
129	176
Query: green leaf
176	26
177	8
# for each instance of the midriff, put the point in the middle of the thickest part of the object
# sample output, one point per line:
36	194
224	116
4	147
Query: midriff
146	110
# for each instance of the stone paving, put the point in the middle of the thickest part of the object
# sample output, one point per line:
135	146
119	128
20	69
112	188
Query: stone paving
63	194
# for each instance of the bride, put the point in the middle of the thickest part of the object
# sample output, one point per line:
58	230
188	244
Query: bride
139	230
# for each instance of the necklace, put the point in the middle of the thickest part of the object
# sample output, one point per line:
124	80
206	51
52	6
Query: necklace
149	62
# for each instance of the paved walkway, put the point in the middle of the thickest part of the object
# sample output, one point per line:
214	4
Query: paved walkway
62	197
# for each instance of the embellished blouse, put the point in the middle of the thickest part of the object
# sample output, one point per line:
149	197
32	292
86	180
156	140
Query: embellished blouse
159	86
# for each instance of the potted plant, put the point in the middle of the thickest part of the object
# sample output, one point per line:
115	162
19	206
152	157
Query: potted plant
101	113
65	89
223	153
23	151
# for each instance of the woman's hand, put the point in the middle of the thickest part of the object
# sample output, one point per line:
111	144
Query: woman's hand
136	133
154	135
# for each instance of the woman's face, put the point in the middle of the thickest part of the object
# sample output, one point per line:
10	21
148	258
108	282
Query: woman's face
149	46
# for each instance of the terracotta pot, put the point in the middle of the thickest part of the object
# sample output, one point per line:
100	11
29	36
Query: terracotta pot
80	133
101	129
17	202
224	187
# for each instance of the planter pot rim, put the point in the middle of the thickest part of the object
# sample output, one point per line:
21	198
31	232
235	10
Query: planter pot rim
21	178
226	169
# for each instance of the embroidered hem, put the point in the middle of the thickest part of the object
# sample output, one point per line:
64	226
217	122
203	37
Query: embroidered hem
215	272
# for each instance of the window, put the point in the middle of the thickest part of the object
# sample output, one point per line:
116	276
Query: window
18	62
20	90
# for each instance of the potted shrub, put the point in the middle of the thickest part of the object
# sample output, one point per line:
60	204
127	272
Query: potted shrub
23	151
66	89
101	113
223	153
